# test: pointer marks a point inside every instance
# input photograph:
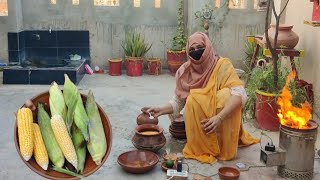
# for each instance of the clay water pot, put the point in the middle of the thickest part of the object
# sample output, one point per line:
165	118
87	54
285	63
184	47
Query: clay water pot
148	137
144	118
286	37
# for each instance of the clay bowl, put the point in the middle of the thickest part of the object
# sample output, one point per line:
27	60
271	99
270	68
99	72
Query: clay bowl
228	173
165	168
137	161
152	142
178	135
172	156
90	166
179	130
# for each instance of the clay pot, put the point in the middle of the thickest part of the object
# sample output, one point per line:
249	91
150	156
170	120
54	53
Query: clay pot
150	142
144	118
286	37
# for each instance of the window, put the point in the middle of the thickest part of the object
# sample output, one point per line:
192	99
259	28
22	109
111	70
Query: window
75	2
53	1
3	8
136	3
218	3
106	2
237	4
157	3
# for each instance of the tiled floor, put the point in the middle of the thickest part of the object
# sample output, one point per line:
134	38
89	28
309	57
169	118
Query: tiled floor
122	97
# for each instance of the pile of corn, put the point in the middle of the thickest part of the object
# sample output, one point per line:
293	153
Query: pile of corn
65	134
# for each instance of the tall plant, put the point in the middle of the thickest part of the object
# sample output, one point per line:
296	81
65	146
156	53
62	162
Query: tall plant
179	39
273	49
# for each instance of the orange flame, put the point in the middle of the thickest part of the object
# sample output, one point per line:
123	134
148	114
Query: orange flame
289	115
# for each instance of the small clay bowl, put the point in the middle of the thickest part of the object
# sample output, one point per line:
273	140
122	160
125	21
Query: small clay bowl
228	173
165	168
137	161
178	135
172	156
177	130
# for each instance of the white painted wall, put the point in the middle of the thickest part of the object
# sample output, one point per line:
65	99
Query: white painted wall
297	11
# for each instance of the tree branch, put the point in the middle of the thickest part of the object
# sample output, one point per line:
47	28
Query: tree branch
285	6
266	27
274	9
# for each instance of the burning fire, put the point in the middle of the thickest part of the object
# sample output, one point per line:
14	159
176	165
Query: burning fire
289	115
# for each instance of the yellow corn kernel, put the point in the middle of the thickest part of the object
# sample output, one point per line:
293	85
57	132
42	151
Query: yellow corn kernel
25	132
40	151
65	143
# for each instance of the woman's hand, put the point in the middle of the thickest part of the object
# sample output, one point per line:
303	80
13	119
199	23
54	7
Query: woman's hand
155	111
211	124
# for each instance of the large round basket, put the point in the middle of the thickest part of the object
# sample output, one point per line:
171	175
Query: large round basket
90	166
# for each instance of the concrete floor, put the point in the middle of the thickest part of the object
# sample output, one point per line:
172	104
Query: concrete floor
122	97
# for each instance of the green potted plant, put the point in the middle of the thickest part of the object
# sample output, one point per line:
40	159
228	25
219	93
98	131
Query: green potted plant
135	48
262	98
176	54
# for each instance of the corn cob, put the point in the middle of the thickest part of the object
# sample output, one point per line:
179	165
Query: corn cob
80	146
52	146
73	101
56	101
40	151
25	132
97	146
65	143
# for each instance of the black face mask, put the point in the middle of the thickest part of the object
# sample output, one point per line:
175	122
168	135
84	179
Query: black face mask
196	54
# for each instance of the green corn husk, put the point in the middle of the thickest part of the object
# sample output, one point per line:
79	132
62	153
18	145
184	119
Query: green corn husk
66	171
52	146
80	146
97	146
56	101
74	102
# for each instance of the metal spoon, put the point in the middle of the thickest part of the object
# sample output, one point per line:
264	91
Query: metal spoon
151	117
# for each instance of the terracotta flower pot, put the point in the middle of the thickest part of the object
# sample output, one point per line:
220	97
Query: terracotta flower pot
151	142
115	66
134	66
175	59
154	66
286	37
266	111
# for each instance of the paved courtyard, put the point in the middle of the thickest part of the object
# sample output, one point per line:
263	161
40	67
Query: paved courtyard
122	97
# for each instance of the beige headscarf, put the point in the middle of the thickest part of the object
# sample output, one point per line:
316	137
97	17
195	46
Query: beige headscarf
195	74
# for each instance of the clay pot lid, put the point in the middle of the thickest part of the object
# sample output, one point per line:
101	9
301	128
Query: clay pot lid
138	161
228	173
148	127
